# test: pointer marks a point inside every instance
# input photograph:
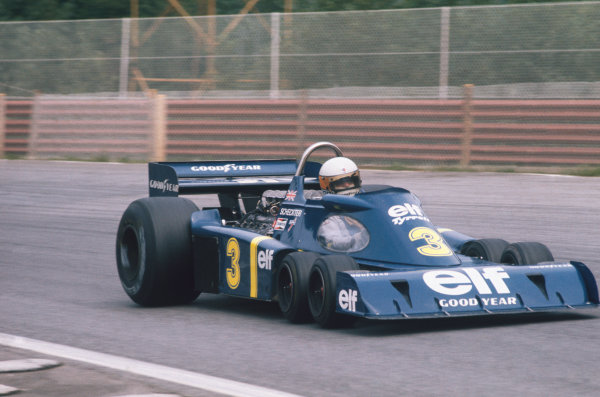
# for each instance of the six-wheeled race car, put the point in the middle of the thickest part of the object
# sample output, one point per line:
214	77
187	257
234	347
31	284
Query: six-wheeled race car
331	258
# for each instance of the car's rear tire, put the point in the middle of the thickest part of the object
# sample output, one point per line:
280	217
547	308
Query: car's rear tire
488	249
292	286
322	290
154	251
526	253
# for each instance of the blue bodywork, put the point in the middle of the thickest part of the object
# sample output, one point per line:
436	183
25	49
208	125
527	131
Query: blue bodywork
409	268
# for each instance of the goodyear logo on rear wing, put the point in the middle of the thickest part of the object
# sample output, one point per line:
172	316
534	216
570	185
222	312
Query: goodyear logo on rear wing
225	167
164	186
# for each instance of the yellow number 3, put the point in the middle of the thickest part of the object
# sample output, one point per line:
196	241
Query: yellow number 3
233	272
435	243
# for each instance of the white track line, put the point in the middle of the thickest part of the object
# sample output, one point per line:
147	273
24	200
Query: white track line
174	375
7	390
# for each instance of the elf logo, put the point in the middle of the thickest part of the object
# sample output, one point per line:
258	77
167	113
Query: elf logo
454	282
265	258
347	299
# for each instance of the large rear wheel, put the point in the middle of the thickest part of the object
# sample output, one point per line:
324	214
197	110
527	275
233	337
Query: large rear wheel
154	251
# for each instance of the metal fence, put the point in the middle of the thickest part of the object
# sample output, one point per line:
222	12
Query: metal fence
519	51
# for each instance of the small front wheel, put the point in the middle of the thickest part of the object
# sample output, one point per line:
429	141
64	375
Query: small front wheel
488	249
322	290
526	253
292	281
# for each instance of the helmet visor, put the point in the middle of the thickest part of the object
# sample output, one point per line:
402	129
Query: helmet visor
345	183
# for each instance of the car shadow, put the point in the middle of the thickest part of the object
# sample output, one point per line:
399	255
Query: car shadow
238	306
363	327
269	311
444	324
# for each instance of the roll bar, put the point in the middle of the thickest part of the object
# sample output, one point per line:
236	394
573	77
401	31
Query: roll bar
311	149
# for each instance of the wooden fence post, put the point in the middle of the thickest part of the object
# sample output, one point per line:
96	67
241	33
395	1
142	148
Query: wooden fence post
467	138
33	130
302	117
2	123
158	117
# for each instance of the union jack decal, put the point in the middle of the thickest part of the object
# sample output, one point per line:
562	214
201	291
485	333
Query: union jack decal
290	195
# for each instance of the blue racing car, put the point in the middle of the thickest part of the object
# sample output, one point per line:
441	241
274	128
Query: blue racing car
281	233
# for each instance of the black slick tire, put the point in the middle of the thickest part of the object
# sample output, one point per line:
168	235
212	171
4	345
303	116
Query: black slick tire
322	290
526	253
292	286
488	249
154	251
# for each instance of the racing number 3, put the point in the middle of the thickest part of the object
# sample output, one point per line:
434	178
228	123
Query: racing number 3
233	272
435	243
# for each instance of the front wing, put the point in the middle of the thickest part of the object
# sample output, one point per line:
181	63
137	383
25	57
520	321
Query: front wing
465	291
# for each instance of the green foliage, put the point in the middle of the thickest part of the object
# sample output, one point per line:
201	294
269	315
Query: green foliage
488	45
27	10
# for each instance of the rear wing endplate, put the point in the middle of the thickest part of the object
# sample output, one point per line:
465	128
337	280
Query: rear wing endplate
177	178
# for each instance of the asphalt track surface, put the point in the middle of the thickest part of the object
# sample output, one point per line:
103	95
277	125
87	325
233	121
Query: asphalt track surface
59	284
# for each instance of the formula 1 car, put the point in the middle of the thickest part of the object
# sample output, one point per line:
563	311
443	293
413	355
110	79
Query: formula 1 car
267	240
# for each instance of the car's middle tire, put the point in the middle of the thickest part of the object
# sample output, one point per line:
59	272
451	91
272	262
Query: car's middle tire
526	253
322	290
488	249
292	286
154	251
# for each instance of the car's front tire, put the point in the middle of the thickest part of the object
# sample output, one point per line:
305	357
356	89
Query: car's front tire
322	290
154	251
526	253
488	249
292	286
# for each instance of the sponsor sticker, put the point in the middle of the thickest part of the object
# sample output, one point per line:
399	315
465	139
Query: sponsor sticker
551	266
265	259
292	223
454	282
406	212
474	302
164	186
347	299
280	223
225	168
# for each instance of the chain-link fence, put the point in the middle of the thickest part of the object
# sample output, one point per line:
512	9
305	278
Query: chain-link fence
525	51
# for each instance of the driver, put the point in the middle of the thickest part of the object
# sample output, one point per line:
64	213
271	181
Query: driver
340	175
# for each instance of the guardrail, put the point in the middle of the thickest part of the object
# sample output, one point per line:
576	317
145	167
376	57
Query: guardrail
15	125
379	132
373	130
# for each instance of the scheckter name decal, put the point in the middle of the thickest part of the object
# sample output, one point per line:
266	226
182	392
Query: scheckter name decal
225	168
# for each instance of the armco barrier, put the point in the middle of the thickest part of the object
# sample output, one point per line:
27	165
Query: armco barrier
15	123
555	132
379	132
452	132
97	128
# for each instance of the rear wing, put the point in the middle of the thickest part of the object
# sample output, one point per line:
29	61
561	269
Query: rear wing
209	177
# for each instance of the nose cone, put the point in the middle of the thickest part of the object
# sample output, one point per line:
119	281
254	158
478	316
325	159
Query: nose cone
401	232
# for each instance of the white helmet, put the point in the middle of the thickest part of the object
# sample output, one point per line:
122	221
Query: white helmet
340	175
